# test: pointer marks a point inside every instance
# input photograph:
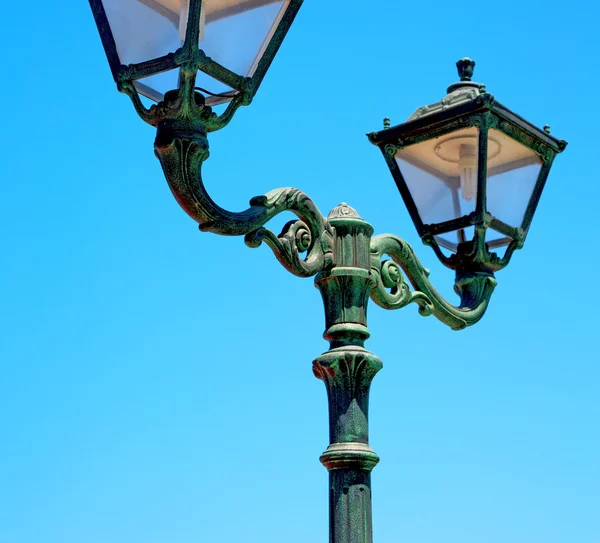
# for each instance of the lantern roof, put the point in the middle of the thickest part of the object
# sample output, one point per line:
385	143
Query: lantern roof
463	100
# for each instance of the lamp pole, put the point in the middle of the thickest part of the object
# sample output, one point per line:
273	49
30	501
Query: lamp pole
349	269
441	159
347	370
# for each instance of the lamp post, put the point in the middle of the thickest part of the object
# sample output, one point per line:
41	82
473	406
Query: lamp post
470	172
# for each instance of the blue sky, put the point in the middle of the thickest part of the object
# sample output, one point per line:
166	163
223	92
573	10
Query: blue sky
156	382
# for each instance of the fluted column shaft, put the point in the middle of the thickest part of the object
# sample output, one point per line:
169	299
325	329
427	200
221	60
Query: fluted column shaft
347	370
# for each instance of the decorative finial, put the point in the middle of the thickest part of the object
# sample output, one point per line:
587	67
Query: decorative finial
386	123
465	68
547	129
343	211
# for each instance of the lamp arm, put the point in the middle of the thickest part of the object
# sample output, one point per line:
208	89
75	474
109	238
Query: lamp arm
148	115
474	288
304	247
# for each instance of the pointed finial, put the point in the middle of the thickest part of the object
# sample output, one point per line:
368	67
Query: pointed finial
386	123
465	72
465	68
547	129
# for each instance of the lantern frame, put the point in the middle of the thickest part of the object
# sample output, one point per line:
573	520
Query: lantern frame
190	58
469	105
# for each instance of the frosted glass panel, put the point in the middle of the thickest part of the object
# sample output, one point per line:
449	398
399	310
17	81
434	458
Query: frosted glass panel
512	176
450	240
155	86
441	175
142	30
237	36
433	194
492	235
234	33
496	242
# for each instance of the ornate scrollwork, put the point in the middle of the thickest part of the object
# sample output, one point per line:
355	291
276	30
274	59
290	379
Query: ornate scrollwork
391	150
545	152
295	239
182	152
393	292
477	122
492	121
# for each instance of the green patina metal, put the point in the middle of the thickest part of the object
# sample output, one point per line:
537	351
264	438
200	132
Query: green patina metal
349	266
349	269
347	370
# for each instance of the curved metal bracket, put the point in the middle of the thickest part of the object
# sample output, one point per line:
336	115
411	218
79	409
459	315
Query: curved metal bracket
188	106
391	290
305	246
182	151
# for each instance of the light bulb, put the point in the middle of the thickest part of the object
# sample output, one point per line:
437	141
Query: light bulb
467	165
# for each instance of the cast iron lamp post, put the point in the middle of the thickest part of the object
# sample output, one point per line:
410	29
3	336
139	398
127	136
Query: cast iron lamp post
470	171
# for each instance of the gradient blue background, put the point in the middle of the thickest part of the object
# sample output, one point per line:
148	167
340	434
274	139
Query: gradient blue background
156	382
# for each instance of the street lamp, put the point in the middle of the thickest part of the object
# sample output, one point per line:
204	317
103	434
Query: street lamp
469	170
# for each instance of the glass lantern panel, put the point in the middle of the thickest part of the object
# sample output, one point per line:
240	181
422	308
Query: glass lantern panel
142	30
496	239
513	170
492	235
237	32
155	86
441	175
450	240
234	33
432	193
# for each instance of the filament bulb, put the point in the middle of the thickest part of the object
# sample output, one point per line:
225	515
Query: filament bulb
467	165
